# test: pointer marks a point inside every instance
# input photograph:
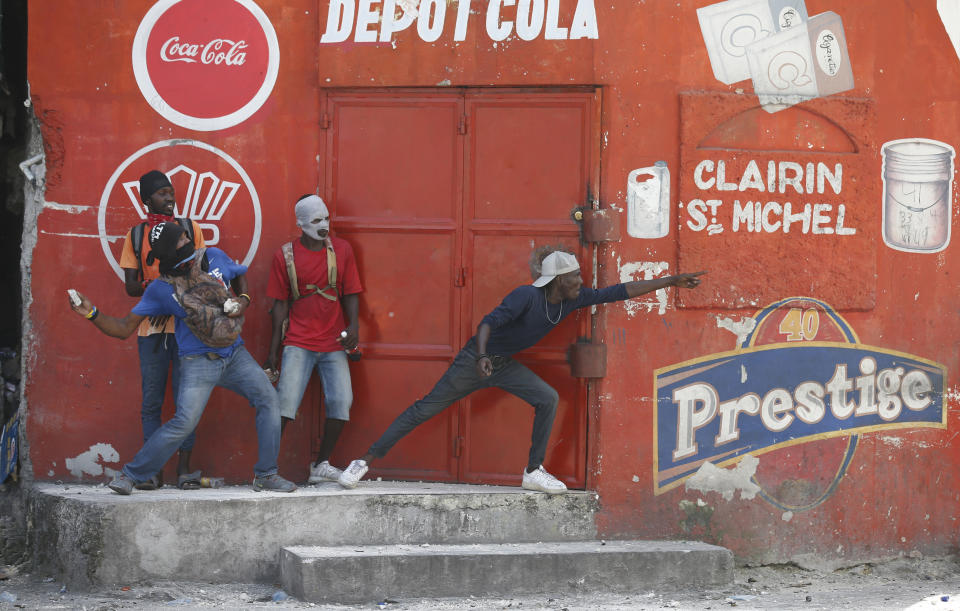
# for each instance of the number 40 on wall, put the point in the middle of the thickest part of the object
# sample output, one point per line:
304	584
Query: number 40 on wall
800	325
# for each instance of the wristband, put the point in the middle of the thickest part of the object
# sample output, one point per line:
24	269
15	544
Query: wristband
247	296
483	356
92	316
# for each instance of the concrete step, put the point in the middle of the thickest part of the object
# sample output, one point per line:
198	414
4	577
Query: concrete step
361	574
88	535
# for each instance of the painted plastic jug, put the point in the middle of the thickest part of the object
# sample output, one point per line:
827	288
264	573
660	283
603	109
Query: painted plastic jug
648	202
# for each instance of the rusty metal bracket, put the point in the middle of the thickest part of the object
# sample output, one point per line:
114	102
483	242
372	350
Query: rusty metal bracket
588	360
597	225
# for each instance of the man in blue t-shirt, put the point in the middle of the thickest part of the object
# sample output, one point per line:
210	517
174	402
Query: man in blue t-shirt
202	366
526	315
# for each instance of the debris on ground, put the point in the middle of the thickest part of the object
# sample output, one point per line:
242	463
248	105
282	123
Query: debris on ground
903	583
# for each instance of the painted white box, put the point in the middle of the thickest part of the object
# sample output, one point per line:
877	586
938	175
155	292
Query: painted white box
801	63
729	27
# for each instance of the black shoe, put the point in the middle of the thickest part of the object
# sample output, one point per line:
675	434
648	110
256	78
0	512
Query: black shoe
151	484
274	483
121	484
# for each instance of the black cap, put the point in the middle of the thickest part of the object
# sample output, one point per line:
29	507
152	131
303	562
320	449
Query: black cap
163	242
151	182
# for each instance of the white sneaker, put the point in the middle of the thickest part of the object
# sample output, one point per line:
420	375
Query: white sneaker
353	474
324	472
542	481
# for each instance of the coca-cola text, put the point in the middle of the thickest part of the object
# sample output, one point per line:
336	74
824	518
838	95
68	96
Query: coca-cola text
218	51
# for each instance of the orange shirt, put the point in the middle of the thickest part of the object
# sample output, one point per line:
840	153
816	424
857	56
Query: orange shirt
128	260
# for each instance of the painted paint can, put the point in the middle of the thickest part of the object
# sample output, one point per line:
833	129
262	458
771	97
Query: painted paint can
648	202
917	191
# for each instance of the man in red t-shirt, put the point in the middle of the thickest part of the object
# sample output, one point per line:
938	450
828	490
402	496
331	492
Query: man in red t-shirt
318	318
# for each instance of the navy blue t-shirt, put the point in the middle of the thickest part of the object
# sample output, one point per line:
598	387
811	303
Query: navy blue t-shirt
520	321
159	299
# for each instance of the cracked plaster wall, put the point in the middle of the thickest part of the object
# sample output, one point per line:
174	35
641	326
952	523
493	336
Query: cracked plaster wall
33	192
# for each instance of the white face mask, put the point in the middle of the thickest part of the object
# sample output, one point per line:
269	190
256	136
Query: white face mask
308	210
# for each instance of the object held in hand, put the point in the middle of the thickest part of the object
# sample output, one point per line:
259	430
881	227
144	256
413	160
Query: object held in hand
231	306
354	353
272	374
74	297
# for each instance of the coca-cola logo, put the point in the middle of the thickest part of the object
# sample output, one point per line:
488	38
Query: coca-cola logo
217	51
206	64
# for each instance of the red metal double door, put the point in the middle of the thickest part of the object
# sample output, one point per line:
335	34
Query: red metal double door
443	195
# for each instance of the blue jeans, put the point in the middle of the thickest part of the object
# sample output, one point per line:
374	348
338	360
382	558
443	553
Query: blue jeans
460	380
158	353
199	374
296	367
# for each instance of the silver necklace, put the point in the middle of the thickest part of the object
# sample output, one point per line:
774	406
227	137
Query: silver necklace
546	309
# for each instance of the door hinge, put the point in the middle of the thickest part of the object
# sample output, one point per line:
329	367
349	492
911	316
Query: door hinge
457	446
461	278
462	128
325	121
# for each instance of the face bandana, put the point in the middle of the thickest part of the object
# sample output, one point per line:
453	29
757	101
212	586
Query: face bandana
163	241
184	254
309	209
155	219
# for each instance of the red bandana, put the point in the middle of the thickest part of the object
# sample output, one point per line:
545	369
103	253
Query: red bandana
156	219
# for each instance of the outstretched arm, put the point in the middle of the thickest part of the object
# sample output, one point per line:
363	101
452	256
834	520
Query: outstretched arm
120	328
640	287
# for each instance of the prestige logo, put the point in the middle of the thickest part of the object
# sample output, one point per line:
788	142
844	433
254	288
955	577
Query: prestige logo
801	376
211	188
206	64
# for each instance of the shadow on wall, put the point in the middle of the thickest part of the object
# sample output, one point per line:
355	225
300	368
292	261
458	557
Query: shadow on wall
13	138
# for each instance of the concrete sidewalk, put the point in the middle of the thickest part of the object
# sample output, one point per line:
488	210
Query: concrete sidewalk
916	584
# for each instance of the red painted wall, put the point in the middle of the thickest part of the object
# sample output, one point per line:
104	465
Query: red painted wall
660	101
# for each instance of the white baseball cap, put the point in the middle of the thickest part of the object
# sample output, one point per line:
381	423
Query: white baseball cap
555	264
